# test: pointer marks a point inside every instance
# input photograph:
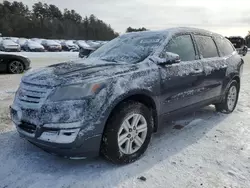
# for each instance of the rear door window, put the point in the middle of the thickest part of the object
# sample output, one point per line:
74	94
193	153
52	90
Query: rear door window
206	46
183	46
224	46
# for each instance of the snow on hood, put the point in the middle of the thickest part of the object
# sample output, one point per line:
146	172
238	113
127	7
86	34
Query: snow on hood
69	43
22	41
73	72
35	45
83	44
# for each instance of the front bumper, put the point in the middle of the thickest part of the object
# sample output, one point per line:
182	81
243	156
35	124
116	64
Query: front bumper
51	49
27	63
64	139
37	50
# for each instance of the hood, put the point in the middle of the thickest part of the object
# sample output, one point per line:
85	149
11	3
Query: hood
35	46
11	54
82	71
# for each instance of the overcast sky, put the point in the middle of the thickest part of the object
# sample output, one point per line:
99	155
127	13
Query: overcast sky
228	17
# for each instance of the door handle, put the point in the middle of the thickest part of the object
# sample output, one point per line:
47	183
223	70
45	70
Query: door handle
197	72
224	66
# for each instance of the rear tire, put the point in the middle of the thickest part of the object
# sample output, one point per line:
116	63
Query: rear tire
128	133
230	99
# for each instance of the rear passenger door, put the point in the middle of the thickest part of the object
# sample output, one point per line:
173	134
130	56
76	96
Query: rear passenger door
230	57
213	65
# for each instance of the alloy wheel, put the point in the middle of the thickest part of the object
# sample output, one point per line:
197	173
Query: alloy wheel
232	97
16	67
132	133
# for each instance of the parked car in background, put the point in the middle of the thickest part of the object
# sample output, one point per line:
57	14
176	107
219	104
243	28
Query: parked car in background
82	43
87	50
14	39
240	44
13	63
9	46
51	46
69	45
21	42
113	101
32	46
38	40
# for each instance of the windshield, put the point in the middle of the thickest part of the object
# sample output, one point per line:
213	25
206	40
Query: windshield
130	48
9	42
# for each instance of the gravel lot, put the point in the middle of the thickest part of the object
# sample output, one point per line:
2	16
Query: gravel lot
211	150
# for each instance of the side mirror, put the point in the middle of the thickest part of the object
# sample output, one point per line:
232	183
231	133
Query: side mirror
170	58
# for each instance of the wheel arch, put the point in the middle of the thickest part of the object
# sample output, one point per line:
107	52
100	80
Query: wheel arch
235	78
141	96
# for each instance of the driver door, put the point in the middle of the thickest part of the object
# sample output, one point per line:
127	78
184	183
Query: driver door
181	83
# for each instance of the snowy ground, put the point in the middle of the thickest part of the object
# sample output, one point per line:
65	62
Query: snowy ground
211	150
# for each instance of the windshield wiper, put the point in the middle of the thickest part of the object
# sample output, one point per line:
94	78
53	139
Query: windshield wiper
115	61
109	60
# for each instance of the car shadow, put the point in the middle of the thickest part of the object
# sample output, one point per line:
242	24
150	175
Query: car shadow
23	164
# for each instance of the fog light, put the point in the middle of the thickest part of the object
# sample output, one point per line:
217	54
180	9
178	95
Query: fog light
64	136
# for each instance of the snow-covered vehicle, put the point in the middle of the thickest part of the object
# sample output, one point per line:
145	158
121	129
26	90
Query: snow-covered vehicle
51	46
69	45
114	100
13	63
7	45
32	46
21	42
37	40
240	44
85	51
14	39
82	43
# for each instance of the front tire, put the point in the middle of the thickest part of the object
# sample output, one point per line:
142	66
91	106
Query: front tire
230	100
16	67
128	133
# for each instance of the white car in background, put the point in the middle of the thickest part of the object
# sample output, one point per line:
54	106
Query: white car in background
9	46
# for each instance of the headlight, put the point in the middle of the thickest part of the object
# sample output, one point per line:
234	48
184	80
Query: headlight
75	92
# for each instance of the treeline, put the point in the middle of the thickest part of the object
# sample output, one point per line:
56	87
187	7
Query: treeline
48	21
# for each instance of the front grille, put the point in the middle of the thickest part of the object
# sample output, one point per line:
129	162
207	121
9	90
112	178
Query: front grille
32	95
27	127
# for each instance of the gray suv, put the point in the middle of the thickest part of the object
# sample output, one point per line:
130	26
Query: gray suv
112	102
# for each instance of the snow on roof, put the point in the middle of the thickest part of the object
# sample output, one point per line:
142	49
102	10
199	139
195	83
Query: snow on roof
172	31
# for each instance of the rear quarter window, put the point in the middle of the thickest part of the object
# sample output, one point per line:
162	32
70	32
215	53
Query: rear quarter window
225	47
206	46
